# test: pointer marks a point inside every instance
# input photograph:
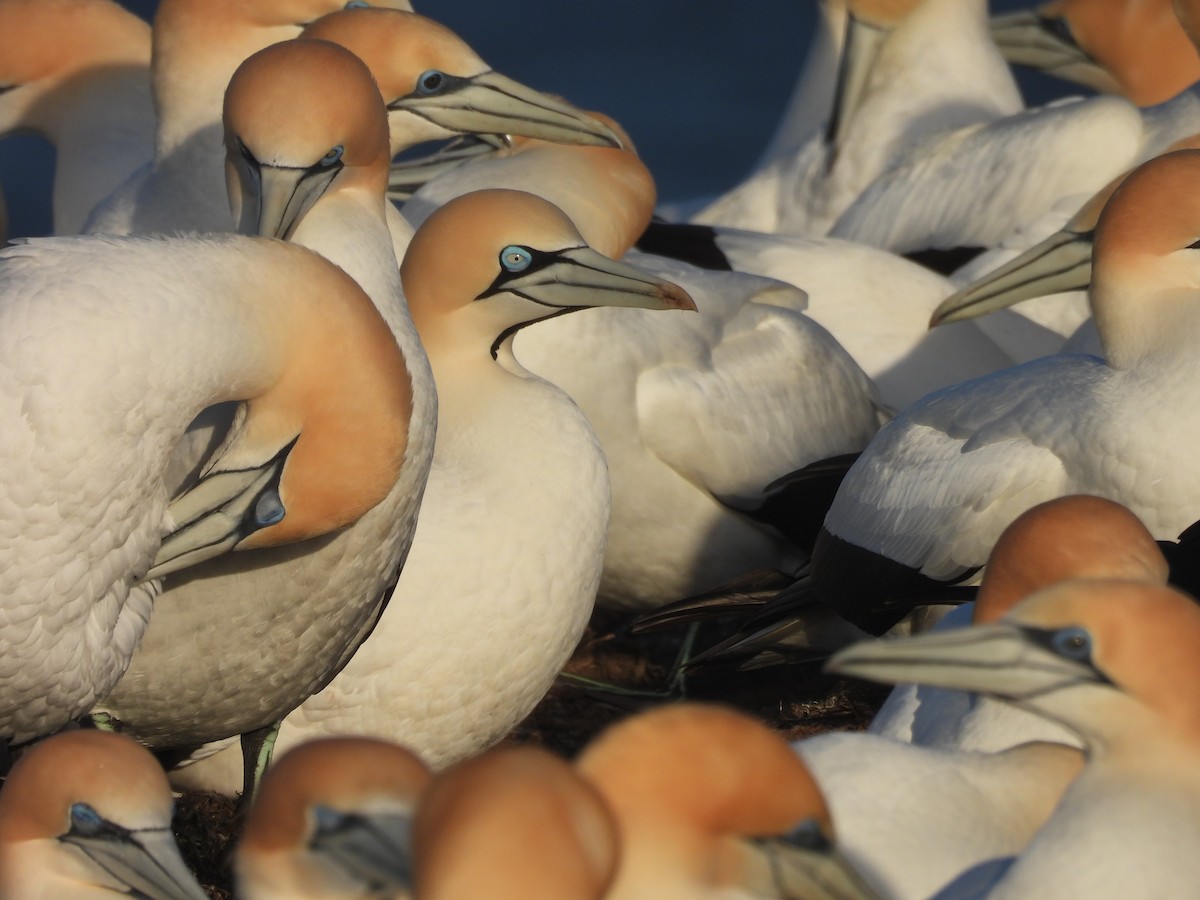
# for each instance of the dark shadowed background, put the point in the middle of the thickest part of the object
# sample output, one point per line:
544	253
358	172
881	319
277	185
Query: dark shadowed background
699	84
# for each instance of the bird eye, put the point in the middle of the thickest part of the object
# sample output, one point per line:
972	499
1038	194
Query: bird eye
85	820
357	4
1073	643
430	82
269	509
515	259
332	157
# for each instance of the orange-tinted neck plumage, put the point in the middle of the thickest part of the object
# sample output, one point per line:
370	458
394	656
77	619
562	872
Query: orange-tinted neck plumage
1071	537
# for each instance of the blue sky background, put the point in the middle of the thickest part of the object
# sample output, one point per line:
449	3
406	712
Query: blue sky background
699	84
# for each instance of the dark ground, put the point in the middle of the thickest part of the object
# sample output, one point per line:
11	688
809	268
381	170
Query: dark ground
797	700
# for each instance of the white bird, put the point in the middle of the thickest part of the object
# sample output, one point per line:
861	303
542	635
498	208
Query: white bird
1115	663
470	641
233	648
1056	268
1071	537
696	417
175	325
77	72
332	818
319	179
929	497
910	818
875	304
710	803
909	70
513	824
197	45
1041	161
86	814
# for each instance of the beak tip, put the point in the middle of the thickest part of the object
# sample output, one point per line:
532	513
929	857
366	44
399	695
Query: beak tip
675	297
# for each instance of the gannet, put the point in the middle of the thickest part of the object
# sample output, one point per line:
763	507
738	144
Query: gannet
85	814
1058	264
233	648
513	824
932	492
320	180
77	72
517	477
696	417
1135	48
711	803
1038	162
1071	537
176	325
332	818
197	45
1115	663
911	818
435	86
908	70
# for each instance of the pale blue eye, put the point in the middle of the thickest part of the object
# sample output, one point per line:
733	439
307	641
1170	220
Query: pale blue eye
85	820
431	82
1073	643
333	156
358	4
515	259
269	509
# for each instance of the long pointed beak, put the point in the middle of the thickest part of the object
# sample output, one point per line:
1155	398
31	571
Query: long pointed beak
375	849
1062	262
276	198
859	52
580	277
491	103
1002	660
219	512
408	176
803	864
147	860
1043	42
